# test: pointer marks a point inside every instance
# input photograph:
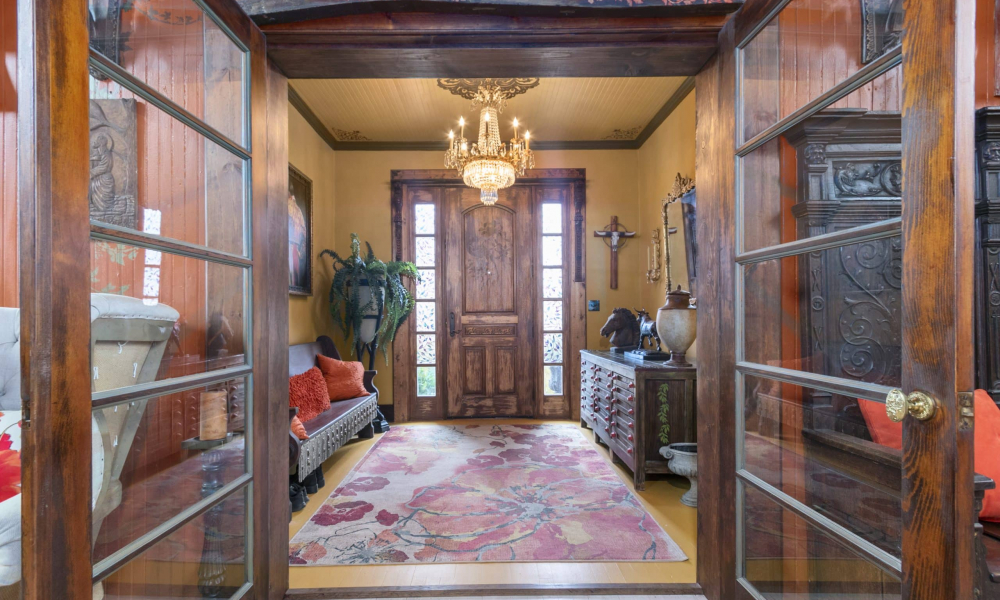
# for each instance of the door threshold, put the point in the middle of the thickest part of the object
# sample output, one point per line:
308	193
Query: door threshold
505	589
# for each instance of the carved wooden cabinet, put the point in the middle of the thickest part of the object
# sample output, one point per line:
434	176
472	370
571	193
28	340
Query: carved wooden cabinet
635	408
988	251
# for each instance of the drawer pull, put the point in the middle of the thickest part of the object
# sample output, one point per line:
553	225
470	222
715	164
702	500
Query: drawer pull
605	429
614	434
614	412
631	425
631	385
631	398
631	411
629	451
630	437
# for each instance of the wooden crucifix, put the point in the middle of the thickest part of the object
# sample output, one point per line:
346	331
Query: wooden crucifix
615	238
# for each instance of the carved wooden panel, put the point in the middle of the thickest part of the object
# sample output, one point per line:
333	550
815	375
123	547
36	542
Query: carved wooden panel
502	330
504	368
987	318
489	260
114	170
850	298
475	370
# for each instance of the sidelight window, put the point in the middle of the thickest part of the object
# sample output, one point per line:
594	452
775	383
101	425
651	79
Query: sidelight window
553	299
425	244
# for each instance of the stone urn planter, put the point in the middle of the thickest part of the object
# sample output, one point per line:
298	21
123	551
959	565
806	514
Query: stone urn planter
683	460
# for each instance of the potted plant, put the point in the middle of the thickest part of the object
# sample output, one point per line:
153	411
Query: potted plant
368	300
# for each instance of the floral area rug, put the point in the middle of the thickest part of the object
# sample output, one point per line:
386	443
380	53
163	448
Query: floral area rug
468	493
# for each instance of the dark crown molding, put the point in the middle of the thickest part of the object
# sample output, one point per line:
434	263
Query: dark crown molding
682	91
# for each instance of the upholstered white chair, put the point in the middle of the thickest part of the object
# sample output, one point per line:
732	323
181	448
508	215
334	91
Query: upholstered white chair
128	339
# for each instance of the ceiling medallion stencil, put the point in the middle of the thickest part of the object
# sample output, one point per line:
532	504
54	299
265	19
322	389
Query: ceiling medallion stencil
624	134
350	136
468	88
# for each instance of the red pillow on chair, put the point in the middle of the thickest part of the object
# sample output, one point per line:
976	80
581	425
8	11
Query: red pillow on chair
307	392
344	380
987	442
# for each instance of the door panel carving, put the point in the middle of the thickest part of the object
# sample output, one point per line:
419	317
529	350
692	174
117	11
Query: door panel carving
489	260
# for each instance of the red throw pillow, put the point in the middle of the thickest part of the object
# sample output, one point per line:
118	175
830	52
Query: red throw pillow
344	380
880	426
986	442
307	392
299	429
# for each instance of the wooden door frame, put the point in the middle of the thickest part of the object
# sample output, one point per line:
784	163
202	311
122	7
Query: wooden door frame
404	387
54	239
937	81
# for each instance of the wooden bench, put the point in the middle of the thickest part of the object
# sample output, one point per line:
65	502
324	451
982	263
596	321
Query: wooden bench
874	465
337	424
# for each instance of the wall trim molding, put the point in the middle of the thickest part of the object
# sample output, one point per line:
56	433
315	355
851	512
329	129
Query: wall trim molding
682	91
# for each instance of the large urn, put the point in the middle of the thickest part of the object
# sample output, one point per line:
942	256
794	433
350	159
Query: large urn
372	317
677	325
683	460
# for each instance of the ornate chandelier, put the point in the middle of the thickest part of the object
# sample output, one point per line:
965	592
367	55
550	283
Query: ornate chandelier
489	165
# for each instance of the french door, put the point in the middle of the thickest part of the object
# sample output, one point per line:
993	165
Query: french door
152	233
841	304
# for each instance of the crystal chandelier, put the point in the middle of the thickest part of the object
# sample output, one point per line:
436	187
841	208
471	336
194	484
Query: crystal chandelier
489	165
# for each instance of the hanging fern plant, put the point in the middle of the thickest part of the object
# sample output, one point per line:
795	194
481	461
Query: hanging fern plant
389	296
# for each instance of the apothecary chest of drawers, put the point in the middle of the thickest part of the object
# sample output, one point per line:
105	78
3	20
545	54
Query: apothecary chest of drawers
636	407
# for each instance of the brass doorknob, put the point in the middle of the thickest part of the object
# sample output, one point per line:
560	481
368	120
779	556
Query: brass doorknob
918	404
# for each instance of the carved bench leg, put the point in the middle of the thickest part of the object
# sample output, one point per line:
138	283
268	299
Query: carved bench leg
367	433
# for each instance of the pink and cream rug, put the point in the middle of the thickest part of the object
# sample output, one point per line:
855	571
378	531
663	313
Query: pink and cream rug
468	493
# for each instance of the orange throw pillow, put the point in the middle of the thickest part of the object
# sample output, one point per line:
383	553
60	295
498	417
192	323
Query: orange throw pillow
299	429
986	442
344	380
307	392
880	426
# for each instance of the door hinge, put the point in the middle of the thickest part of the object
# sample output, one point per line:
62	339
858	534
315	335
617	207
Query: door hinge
966	410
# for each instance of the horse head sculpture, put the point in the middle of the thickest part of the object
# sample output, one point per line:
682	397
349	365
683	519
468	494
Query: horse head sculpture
623	329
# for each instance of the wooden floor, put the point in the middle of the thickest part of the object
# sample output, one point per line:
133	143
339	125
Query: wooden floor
661	499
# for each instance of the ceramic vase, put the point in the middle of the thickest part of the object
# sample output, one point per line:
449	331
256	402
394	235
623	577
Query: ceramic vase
677	325
683	460
370	322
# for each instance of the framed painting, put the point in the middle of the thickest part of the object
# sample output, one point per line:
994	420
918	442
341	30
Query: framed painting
300	242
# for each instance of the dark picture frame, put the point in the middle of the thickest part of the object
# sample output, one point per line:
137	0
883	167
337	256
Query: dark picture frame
689	209
300	233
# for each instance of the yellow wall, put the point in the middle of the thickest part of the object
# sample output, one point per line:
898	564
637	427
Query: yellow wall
627	183
308	316
670	150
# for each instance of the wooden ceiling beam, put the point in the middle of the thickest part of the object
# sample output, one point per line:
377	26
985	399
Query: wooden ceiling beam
286	11
424	44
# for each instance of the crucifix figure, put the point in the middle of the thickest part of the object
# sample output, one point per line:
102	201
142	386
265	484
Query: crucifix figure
615	238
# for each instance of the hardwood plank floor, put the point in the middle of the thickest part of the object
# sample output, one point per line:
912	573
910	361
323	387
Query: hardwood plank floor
661	499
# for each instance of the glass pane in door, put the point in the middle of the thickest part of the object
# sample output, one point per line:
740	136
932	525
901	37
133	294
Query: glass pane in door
181	52
788	558
171	289
819	316
812	46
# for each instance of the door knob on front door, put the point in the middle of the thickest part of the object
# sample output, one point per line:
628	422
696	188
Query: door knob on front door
918	404
451	323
